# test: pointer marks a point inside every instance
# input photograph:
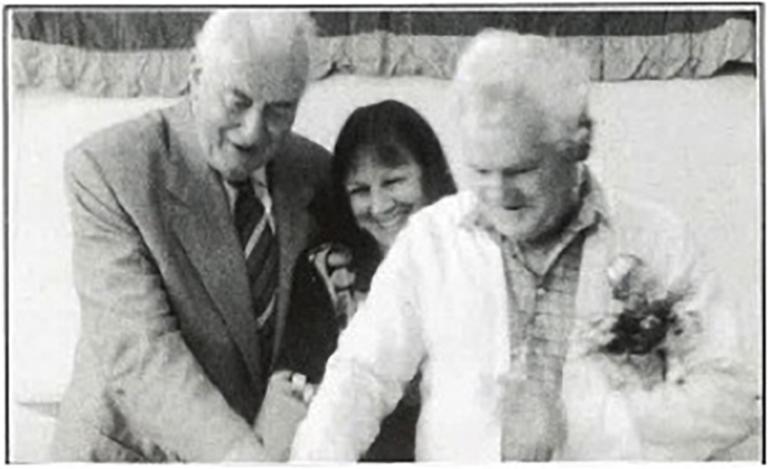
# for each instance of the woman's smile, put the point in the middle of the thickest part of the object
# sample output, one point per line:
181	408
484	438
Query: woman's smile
394	219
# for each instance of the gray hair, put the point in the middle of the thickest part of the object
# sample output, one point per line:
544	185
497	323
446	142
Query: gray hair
501	73
242	35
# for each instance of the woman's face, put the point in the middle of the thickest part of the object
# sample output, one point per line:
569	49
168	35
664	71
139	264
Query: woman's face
383	196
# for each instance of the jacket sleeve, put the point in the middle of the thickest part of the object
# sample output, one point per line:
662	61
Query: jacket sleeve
128	327
709	400
378	354
310	330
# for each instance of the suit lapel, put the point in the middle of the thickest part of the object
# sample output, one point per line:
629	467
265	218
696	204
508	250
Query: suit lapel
200	217
291	198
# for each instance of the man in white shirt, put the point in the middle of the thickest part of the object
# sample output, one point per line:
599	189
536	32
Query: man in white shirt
500	296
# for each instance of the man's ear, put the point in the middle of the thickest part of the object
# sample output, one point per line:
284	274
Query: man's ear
582	140
195	70
583	144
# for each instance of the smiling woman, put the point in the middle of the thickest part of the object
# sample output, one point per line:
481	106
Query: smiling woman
384	191
387	164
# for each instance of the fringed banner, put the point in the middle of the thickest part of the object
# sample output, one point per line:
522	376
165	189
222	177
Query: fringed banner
147	52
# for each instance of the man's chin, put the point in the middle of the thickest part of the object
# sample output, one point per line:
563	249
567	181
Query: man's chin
242	166
516	232
234	172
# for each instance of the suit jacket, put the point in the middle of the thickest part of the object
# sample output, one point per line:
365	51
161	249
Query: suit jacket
438	303
167	365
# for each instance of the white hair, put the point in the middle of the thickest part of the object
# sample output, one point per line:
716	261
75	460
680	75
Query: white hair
242	35
501	74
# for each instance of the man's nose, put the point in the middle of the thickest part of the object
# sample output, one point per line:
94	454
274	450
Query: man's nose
381	201
252	124
502	190
493	188
512	196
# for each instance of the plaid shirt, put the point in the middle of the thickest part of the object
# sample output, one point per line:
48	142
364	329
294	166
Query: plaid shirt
541	304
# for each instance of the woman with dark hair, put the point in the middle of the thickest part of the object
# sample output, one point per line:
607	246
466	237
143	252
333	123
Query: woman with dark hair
387	164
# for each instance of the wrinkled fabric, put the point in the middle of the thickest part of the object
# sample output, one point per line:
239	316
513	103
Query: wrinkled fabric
141	54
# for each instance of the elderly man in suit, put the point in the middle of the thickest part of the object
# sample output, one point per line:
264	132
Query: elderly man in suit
186	224
549	318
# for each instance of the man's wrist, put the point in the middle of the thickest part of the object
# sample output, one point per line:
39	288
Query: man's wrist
247	448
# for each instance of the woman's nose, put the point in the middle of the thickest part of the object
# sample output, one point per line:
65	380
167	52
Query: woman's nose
381	201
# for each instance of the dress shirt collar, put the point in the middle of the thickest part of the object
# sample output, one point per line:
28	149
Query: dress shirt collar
260	186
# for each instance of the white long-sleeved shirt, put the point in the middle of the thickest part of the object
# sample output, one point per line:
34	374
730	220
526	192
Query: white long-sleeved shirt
438	303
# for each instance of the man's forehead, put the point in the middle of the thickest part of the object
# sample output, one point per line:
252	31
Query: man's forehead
502	145
268	81
502	158
271	75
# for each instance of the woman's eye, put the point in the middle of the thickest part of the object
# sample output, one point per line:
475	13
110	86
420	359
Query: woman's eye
357	191
393	181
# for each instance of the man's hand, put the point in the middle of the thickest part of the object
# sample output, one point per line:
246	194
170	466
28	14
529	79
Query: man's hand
533	425
246	449
284	407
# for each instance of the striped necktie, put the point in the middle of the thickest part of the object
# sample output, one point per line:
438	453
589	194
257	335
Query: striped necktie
261	260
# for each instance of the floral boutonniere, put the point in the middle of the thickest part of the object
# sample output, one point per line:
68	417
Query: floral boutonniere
641	334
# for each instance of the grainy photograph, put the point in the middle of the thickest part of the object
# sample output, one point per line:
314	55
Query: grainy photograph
472	235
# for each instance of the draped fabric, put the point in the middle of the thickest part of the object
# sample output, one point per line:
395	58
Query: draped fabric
147	52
